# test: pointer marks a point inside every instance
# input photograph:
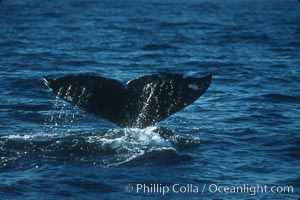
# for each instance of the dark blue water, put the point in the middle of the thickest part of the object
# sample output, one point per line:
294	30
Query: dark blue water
247	121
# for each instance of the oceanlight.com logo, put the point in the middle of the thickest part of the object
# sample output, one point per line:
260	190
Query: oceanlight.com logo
157	188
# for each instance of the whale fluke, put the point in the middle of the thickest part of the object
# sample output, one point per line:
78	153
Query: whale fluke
141	102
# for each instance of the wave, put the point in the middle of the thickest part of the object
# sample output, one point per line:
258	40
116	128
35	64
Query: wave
27	107
80	63
161	156
154	47
114	147
281	98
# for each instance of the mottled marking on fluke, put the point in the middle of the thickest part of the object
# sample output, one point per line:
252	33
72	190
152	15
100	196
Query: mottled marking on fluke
141	102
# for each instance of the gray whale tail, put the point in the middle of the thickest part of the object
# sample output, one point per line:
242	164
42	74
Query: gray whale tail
141	102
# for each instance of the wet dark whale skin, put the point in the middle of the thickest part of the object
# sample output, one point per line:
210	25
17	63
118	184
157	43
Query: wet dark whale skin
142	102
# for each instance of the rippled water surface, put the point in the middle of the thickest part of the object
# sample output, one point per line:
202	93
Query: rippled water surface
247	122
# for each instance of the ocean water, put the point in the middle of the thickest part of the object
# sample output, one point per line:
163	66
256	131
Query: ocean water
247	121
